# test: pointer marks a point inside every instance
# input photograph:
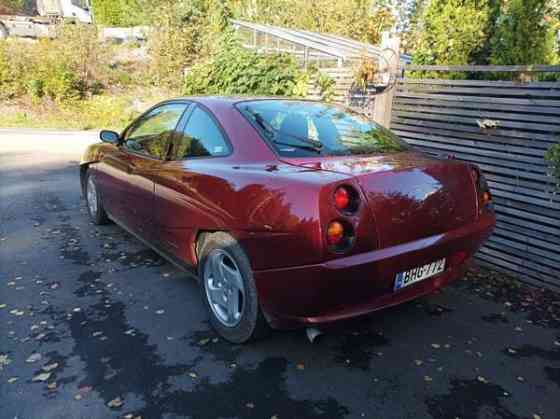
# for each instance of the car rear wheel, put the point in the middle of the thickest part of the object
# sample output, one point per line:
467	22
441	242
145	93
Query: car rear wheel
228	289
3	31
93	200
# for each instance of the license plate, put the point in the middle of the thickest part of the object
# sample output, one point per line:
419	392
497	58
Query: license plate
406	278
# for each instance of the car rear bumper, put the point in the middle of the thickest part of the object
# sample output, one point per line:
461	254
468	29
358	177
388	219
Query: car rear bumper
360	284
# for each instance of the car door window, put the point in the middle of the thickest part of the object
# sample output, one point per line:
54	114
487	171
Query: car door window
152	133
201	138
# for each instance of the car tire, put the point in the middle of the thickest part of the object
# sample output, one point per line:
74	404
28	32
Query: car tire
3	32
224	270
94	203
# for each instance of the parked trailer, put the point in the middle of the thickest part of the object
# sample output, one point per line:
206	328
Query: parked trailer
42	20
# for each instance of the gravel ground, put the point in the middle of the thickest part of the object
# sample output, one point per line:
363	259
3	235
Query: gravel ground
95	325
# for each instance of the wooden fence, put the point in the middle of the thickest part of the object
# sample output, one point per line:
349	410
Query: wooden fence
505	128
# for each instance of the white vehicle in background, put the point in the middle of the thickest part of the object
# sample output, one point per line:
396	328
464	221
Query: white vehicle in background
42	19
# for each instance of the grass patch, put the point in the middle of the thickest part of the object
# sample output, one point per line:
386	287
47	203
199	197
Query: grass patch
102	111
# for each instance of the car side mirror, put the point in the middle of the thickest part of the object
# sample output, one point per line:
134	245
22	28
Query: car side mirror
110	137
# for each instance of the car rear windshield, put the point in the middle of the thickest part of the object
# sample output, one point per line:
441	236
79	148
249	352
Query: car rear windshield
300	128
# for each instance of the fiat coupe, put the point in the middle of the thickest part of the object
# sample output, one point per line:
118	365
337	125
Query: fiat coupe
291	213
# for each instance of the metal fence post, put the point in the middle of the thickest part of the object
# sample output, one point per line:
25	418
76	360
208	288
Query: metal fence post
383	104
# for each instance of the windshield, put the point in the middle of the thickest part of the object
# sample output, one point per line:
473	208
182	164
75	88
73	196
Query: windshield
299	128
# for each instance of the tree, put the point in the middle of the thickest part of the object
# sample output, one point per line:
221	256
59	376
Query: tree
454	31
523	34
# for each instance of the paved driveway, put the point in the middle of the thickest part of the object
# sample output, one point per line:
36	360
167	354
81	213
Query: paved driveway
94	325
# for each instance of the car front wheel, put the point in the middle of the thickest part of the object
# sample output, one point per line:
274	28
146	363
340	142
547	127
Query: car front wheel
228	289
93	200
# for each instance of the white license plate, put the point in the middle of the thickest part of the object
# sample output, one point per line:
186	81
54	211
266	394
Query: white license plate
406	278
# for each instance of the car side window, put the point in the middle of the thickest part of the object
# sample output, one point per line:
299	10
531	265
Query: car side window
150	135
201	138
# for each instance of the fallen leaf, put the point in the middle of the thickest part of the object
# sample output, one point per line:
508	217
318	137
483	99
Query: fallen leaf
512	351
4	361
50	367
193	375
520	379
12	380
51	386
115	403
300	366
436	345
160	311
482	379
250	405
42	377
2	305
428	379
78	397
557	342
418	362
535	416
98	333
34	358
204	341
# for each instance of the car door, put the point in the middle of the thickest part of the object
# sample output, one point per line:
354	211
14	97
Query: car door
129	172
182	187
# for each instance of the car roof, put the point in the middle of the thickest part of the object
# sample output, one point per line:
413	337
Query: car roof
232	100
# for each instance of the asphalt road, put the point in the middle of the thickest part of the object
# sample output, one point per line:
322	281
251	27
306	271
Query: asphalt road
94	325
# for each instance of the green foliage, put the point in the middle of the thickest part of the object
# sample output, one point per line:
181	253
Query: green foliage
363	20
182	37
60	69
553	157
454	31
234	70
523	35
121	13
326	86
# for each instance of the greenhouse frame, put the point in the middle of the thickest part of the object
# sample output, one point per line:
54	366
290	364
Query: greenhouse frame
309	48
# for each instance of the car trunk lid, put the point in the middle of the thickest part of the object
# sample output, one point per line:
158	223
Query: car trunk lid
411	195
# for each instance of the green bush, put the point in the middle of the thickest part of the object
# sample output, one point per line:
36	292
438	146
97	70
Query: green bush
454	32
234	70
68	67
553	157
120	13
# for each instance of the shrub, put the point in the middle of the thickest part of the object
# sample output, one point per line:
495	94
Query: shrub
236	70
67	67
553	157
523	35
177	40
454	33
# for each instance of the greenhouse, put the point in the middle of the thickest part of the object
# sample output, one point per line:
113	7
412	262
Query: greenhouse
309	48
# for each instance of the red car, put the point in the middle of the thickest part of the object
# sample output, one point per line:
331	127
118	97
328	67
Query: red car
291	212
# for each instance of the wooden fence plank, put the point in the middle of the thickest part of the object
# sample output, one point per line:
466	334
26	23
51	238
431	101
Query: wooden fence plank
481	98
486	68
456	104
476	91
485	83
551	128
484	144
480	114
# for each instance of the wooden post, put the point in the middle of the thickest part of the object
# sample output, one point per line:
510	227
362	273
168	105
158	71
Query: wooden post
383	105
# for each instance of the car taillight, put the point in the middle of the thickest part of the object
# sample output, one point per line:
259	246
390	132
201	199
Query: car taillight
483	191
346	199
340	236
335	233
